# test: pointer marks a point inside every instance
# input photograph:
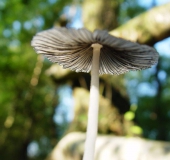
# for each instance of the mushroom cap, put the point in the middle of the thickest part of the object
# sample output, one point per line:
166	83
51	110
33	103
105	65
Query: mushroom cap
72	49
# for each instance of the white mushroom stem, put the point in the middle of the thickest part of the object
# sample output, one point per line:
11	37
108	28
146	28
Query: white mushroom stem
92	124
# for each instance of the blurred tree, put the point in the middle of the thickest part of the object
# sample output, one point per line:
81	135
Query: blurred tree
113	84
28	96
103	14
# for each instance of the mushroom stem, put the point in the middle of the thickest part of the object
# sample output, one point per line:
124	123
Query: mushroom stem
92	124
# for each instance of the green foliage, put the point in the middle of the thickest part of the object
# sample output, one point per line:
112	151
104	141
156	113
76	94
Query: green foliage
28	97
152	113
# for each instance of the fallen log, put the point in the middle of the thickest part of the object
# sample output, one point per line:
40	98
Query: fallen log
111	148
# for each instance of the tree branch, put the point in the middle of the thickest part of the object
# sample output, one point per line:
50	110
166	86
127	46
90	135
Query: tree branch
147	28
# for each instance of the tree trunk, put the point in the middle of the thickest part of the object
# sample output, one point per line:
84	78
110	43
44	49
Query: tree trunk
100	14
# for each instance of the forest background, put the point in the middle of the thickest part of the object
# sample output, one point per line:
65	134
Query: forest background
40	102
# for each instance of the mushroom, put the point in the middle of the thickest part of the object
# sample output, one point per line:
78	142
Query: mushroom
98	52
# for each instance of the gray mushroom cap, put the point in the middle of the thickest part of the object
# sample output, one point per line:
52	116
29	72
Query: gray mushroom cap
72	49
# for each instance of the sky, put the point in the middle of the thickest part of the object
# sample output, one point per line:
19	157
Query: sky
148	3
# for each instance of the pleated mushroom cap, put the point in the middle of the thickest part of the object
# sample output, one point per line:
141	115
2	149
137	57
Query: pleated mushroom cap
72	49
